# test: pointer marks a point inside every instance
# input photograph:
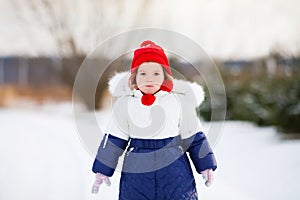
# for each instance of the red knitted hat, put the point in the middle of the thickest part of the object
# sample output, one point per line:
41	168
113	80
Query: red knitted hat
151	52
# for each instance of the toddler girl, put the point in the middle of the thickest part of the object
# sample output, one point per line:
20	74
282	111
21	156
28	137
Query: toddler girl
155	121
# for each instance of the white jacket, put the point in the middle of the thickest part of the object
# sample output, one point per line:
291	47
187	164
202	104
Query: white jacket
171	113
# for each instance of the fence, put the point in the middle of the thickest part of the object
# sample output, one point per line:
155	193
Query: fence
43	71
30	71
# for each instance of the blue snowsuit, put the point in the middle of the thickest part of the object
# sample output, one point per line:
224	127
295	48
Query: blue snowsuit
145	176
155	168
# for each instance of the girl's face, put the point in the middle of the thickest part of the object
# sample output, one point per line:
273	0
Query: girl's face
149	77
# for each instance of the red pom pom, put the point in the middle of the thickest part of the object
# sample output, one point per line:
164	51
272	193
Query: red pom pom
148	99
147	42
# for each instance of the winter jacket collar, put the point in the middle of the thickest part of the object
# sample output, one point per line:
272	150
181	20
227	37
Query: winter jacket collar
138	93
118	86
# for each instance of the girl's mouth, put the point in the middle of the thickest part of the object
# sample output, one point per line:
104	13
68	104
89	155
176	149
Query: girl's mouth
149	85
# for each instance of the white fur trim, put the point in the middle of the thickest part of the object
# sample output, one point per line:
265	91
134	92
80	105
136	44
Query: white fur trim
190	89
118	86
198	91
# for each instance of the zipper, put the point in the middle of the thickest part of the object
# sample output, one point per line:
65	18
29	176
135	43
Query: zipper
129	151
181	149
105	140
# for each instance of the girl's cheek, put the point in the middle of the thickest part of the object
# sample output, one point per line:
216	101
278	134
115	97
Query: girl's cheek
159	80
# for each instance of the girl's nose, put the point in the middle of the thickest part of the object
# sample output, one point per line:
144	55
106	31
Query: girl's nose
149	79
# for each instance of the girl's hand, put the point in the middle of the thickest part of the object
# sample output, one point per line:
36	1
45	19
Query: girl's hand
207	175
99	179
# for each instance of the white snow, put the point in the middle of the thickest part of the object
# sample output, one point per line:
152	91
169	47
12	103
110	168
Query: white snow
42	157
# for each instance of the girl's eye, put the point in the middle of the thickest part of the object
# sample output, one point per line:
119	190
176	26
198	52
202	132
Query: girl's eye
142	73
156	74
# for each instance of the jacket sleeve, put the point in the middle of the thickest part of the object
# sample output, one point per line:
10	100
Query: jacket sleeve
200	152
109	151
194	140
114	141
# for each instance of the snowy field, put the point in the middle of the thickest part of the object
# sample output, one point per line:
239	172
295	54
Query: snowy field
42	157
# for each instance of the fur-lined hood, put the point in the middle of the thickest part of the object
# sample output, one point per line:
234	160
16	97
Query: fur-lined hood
118	86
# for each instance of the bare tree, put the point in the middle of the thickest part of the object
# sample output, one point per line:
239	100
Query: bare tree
75	27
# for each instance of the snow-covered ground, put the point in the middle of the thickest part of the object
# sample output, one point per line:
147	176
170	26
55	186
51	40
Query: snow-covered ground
42	157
